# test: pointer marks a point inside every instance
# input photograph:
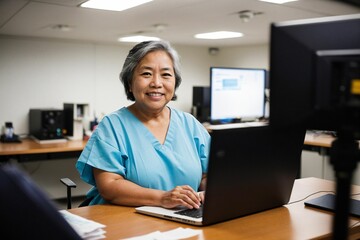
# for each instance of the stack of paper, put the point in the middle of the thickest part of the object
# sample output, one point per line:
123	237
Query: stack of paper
87	229
175	234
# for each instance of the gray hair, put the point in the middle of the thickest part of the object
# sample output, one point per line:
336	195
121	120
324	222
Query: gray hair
137	53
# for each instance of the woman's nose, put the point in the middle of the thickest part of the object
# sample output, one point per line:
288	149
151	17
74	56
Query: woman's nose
156	81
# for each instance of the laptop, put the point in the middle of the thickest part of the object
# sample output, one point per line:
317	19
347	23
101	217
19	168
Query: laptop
250	170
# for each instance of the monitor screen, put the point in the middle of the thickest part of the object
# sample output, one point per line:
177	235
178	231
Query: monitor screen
315	73
236	94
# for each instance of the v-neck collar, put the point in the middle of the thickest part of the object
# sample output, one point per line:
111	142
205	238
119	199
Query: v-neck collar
155	142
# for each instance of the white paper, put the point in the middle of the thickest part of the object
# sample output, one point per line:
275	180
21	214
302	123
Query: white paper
175	234
87	229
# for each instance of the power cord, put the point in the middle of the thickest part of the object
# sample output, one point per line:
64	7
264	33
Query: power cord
309	196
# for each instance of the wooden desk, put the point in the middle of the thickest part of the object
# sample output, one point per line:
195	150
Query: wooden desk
318	140
321	143
28	150
294	221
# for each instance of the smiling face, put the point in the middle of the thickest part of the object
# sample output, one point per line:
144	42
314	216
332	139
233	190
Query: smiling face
153	83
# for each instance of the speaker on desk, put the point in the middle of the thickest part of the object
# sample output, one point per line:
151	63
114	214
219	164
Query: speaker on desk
45	124
201	103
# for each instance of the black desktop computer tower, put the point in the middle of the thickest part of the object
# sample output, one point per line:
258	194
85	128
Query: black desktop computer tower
46	124
201	103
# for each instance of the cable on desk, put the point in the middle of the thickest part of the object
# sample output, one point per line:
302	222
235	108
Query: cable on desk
309	196
355	194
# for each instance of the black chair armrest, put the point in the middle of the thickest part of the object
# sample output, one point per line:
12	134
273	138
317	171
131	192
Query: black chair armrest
69	184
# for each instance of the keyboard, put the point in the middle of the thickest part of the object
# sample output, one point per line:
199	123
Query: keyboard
195	213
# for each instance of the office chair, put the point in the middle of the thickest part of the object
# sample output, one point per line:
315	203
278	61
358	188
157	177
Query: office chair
69	185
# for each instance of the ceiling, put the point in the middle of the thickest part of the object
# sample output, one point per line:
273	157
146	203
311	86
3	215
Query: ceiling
173	20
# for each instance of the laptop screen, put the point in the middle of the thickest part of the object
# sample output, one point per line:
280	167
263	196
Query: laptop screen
250	170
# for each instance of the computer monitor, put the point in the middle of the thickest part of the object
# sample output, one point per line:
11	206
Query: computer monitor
201	103
315	84
236	94
314	72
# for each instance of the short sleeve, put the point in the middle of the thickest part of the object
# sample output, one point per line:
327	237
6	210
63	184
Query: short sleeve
101	154
201	138
203	146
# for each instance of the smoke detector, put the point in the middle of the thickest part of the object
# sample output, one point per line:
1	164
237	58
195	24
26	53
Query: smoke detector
247	15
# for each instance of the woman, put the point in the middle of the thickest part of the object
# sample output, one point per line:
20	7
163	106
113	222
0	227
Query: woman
147	153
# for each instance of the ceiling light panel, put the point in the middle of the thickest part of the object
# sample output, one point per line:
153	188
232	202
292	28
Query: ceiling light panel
218	35
137	38
113	5
278	1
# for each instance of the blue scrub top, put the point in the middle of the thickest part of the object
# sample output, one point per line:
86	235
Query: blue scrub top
122	144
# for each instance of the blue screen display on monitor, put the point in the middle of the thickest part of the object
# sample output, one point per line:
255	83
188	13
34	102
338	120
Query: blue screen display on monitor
236	94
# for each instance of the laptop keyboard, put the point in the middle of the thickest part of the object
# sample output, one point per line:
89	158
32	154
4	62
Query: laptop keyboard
195	213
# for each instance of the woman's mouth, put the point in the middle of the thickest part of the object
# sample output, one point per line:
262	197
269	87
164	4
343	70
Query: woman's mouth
155	94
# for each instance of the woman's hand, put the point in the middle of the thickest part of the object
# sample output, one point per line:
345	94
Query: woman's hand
202	196
181	196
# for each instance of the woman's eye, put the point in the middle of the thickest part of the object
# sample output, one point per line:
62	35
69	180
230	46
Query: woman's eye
167	75
146	74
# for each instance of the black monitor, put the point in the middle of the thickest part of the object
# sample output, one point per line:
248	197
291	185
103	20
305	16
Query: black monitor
236	94
314	72
26	212
201	103
315	84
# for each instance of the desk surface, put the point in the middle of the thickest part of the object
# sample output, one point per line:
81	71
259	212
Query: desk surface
315	139
294	221
29	146
318	139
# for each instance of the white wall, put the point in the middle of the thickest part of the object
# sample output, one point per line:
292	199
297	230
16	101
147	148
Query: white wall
39	73
315	165
42	73
256	56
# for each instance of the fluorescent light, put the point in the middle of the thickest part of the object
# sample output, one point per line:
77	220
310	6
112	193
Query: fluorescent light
278	1
113	5
137	38
219	35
